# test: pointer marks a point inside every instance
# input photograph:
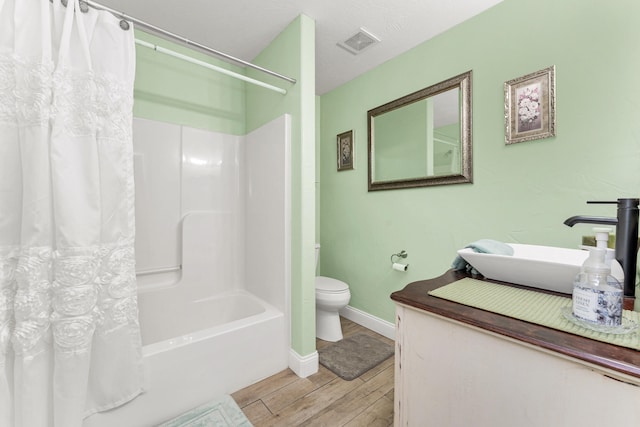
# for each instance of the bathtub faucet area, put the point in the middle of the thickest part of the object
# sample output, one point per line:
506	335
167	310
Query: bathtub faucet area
626	224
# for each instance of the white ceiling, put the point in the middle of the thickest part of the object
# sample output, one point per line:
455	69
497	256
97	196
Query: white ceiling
243	28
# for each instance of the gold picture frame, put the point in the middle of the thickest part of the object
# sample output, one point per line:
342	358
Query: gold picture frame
530	107
345	150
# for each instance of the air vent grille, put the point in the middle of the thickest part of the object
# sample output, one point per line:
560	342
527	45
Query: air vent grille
359	42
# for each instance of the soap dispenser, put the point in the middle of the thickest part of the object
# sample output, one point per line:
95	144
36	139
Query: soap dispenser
597	295
602	241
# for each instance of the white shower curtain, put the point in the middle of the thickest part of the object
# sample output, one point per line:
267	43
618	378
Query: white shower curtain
69	333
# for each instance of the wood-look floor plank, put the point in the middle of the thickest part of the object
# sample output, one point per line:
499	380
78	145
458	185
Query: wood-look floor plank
355	402
288	394
322	377
257	412
350	328
262	388
390	394
323	398
320	344
379	414
311	404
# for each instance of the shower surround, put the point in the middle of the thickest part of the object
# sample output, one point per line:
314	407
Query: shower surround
213	262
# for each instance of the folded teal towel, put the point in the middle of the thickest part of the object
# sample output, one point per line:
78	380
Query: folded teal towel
483	246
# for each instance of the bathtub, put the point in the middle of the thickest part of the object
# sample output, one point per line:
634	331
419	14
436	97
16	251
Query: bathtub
197	350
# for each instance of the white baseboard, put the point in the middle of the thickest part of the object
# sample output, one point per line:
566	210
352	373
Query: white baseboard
303	366
376	324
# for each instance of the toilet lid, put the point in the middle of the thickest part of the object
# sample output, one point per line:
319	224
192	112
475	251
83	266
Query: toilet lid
327	284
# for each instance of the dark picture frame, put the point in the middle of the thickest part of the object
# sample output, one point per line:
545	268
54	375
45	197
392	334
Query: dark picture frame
345	150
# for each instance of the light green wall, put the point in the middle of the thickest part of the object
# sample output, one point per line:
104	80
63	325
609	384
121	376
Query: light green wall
521	192
174	91
292	53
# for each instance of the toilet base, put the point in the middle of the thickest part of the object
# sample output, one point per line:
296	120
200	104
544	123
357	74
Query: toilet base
328	327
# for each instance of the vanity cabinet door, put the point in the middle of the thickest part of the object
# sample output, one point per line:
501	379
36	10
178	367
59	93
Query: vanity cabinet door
452	374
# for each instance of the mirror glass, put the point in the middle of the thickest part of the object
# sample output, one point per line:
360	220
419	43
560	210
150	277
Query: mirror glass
423	138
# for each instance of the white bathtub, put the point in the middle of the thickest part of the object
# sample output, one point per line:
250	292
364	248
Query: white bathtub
195	351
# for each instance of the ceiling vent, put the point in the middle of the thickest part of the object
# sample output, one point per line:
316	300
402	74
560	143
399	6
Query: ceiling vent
359	42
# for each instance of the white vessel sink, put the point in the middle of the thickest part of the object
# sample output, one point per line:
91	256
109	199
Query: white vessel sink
542	267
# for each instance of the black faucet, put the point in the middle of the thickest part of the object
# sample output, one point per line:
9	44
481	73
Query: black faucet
626	237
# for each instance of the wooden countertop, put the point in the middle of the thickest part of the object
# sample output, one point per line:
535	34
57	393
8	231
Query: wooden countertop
616	358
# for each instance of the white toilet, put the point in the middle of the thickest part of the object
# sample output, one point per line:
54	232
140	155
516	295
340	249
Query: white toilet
331	296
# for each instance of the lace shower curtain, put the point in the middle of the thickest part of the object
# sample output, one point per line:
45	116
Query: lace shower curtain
69	333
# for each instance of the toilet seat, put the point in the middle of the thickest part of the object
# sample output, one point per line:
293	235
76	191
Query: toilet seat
330	285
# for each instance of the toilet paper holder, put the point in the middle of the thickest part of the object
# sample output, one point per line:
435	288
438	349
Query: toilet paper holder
401	254
395	264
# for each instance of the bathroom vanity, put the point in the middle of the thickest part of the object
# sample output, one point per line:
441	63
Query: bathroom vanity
461	366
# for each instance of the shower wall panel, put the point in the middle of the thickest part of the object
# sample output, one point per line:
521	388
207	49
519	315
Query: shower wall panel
243	182
212	181
268	207
179	170
211	171
157	184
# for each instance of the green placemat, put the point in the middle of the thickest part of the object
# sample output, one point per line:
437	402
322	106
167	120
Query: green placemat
530	306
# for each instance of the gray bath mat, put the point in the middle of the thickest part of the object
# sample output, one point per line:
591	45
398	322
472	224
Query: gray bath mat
222	412
352	357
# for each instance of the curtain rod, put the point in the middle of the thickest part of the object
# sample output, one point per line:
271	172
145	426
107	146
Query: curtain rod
186	41
174	54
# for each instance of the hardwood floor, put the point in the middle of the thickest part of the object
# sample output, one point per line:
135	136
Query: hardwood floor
322	399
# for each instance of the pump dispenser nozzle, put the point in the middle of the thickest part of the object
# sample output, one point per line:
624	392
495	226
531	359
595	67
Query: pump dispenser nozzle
602	237
602	242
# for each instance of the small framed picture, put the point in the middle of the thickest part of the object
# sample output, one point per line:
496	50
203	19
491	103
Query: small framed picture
530	107
345	150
